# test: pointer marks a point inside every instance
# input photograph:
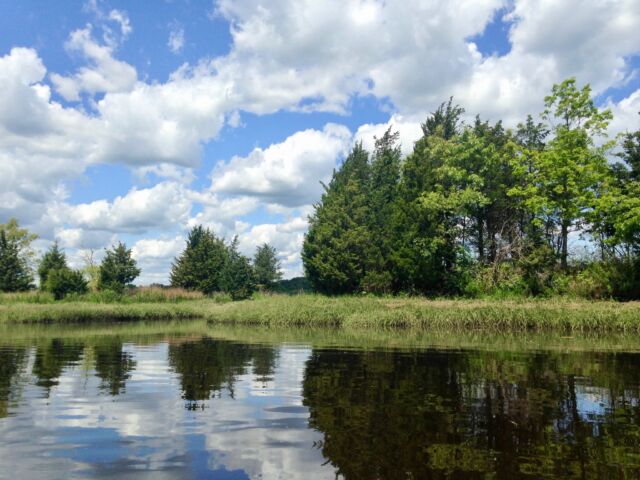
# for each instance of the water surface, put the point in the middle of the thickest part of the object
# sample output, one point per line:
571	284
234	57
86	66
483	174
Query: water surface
200	406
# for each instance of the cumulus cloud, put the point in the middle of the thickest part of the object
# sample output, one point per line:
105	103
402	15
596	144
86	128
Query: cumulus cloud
162	206
287	173
410	132
104	73
285	55
285	237
154	257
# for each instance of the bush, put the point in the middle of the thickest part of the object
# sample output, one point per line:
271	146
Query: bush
502	280
64	281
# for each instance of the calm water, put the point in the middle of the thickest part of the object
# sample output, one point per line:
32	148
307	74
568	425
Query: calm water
201	407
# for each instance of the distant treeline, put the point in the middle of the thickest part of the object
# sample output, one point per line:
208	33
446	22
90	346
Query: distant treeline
208	265
478	209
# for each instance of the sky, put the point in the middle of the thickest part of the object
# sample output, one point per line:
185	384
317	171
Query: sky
135	121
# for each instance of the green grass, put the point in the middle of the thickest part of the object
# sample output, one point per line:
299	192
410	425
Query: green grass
176	331
354	312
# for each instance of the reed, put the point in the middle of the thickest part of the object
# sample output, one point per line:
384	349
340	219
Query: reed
363	312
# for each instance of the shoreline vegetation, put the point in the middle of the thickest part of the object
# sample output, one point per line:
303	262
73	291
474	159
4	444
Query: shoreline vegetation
179	331
312	310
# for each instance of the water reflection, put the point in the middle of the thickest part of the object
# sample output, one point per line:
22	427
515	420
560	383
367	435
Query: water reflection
207	366
468	415
193	407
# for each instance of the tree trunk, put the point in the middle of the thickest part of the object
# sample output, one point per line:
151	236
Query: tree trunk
565	236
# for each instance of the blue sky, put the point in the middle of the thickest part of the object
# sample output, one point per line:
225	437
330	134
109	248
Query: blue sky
136	120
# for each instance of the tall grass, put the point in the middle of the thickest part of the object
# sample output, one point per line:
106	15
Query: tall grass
129	296
489	315
361	312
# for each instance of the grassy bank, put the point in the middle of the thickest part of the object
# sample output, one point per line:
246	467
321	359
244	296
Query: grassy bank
361	312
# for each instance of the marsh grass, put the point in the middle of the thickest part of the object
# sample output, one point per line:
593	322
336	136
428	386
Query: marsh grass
178	331
362	312
129	296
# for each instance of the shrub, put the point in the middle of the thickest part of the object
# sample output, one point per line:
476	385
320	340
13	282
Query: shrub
64	281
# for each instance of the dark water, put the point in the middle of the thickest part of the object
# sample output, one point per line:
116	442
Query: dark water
197	407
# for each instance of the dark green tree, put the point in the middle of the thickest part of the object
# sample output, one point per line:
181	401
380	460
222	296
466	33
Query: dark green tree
15	275
63	281
383	189
426	254
200	265
118	269
53	259
337	247
237	277
266	267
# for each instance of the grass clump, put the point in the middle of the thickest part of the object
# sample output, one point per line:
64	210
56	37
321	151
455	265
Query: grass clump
350	311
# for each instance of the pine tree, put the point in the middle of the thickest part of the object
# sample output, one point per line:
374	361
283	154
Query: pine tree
53	259
385	174
266	266
337	247
426	253
118	269
237	278
200	265
15	275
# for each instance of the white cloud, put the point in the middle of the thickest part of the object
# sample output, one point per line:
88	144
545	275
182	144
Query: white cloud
286	237
105	73
626	114
410	131
154	257
162	206
176	40
285	55
287	173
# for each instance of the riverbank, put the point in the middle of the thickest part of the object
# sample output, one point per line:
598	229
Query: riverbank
371	312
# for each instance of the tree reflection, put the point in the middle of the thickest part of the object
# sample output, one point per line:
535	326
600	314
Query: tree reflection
435	414
113	365
52	358
12	361
208	366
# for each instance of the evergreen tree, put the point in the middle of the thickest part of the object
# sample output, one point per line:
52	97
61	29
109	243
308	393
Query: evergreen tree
266	266
53	259
63	281
383	189
426	253
237	278
118	269
337	247
200	265
15	275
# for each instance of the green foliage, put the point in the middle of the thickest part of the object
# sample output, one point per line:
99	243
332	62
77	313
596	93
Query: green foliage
118	269
22	238
53	259
15	275
337	247
237	277
200	265
64	281
294	286
266	267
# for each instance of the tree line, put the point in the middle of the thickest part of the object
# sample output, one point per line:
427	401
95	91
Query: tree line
208	264
479	209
